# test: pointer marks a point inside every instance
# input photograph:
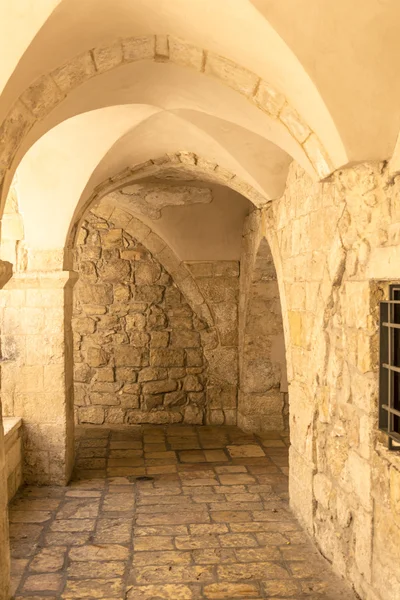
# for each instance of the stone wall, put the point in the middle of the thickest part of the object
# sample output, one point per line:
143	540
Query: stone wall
335	247
263	398
138	348
219	283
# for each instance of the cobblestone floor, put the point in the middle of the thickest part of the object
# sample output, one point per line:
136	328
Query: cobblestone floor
213	522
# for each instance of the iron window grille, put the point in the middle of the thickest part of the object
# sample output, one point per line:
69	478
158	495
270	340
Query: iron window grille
389	368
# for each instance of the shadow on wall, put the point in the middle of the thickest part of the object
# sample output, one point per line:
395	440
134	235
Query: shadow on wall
263	394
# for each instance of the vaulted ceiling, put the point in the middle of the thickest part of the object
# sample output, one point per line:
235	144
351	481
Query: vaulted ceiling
93	88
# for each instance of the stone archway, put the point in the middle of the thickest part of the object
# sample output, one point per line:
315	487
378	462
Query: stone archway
49	90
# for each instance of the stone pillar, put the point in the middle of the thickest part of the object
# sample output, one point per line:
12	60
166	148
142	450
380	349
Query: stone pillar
36	341
4	544
5	275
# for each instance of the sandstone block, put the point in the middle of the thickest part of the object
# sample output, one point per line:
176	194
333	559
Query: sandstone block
159	387
175	399
152	294
167	357
91	414
104	399
138	48
96	294
159	339
111	238
75	72
183	338
127	356
96	357
185	54
116	270
152	374
192	384
126	374
237	77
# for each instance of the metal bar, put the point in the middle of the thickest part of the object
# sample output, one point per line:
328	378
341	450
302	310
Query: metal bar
392	325
390	419
390	302
392	411
391	368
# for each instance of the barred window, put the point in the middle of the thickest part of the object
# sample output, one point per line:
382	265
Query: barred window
389	368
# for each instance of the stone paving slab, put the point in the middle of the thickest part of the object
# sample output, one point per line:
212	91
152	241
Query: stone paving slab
210	520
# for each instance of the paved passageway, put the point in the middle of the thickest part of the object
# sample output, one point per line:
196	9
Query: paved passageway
209	520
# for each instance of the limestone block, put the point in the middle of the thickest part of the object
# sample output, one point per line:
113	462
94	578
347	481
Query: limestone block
269	99
126	356
201	269
107	57
290	117
117	271
139	339
193	415
138	48
111	238
215	417
159	339
191	291
42	96
175	399
146	293
91	414
226	320
185	54
318	156
115	415
183	338
83	326
159	417
108	387
221	396
194	357
96	294
161	47
363	543
322	489
157	318
159	387
96	357
135	321
237	77
147	273
126	374
223	365
129	400
358	475
192	384
14	128
167	357
75	72
122	293
152	401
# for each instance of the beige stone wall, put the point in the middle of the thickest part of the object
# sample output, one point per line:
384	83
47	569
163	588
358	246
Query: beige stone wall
333	245
138	349
13	451
263	399
219	283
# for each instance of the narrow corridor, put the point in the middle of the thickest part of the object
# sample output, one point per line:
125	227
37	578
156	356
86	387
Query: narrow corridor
173	512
